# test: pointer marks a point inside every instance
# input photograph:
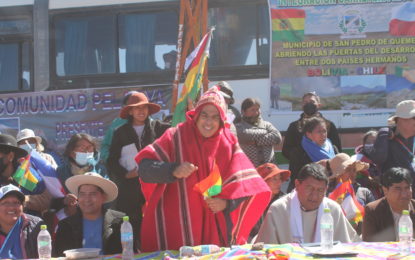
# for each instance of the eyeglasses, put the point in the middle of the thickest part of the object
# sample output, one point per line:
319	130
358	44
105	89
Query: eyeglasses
204	116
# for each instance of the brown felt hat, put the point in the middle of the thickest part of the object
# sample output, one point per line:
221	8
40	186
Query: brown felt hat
138	99
268	170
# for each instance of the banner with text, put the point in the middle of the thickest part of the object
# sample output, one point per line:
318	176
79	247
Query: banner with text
355	54
57	115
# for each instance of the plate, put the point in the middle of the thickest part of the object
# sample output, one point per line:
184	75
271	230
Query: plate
337	251
82	253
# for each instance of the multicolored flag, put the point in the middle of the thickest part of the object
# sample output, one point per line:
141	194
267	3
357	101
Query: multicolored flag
196	62
25	175
288	25
344	195
48	173
211	185
403	20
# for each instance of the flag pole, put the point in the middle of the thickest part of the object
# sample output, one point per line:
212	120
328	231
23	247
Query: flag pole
193	14
179	63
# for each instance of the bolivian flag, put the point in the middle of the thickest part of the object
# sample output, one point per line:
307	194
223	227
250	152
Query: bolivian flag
288	25
196	62
24	175
211	185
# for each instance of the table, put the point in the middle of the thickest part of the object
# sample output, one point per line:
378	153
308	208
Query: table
366	250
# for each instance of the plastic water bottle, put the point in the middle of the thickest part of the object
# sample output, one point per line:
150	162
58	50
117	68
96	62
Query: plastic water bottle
405	233
326	230
127	239
44	244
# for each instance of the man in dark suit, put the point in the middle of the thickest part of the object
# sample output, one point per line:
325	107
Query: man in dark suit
382	216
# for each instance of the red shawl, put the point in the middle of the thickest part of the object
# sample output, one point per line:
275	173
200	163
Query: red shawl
176	215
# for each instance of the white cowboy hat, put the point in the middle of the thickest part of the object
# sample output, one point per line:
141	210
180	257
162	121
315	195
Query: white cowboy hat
404	109
92	178
26	134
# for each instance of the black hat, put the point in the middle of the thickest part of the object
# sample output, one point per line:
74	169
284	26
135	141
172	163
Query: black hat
10	143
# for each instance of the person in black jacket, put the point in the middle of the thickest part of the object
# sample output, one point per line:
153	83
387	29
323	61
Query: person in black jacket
128	140
92	226
394	145
292	142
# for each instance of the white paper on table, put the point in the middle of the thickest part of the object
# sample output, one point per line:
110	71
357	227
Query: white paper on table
127	159
337	250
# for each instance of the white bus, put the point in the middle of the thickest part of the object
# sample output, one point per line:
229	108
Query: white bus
65	65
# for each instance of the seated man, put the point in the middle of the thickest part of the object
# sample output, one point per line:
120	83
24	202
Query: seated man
380	222
296	217
15	225
92	226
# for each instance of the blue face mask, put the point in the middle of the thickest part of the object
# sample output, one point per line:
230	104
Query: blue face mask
28	147
82	158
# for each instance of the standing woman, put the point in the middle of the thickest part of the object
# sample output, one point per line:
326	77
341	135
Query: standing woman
256	136
139	131
315	146
177	214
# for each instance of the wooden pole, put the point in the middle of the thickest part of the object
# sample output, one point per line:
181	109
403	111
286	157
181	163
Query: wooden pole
192	25
204	31
178	73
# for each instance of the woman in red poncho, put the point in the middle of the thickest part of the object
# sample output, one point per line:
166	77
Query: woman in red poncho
176	214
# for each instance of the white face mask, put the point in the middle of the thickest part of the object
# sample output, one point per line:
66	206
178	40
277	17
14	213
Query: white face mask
368	147
28	147
82	158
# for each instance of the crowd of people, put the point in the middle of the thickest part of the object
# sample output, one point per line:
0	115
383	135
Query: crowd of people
157	174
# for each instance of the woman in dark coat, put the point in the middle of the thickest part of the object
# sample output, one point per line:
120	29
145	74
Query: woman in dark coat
128	139
315	146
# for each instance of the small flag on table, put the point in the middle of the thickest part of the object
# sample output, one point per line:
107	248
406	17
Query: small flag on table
211	185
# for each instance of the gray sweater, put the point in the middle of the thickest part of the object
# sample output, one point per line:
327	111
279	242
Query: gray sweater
258	141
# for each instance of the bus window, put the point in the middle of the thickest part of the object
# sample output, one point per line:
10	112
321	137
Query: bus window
8	27
15	52
241	35
85	45
9	67
26	82
144	39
